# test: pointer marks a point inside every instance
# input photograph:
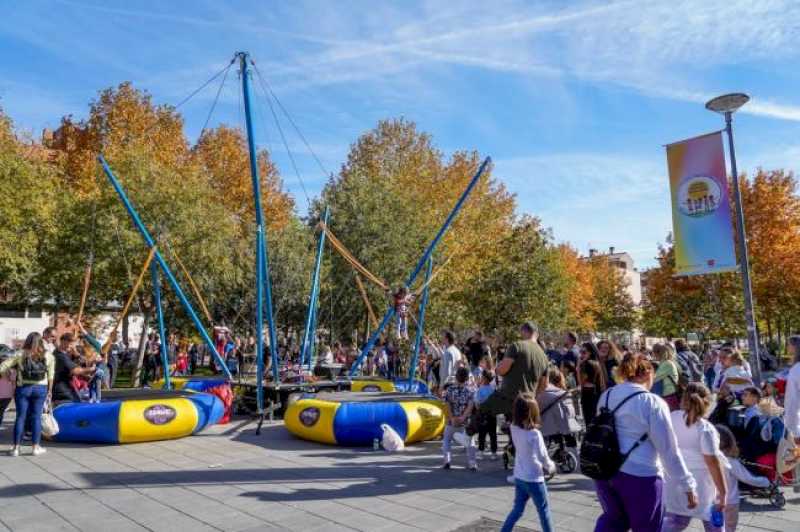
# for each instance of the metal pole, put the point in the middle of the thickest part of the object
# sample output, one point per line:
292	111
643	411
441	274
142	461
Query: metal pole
263	284
313	347
163	264
750	320
162	331
312	300
273	336
412	371
425	256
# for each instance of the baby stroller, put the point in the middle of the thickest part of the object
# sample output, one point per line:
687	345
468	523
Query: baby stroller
561	429
565	461
773	492
759	440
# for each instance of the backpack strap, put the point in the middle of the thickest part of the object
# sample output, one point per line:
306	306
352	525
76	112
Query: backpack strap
633	448
644	436
631	396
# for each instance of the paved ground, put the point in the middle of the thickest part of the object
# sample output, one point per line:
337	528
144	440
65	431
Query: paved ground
230	479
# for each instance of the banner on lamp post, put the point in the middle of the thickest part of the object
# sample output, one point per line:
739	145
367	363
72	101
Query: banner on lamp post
701	213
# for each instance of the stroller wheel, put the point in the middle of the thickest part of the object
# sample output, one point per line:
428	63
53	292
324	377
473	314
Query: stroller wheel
777	499
568	463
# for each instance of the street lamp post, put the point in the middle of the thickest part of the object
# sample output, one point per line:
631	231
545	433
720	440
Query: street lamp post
726	105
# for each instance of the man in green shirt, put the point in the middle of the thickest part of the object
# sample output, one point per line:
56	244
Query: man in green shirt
523	369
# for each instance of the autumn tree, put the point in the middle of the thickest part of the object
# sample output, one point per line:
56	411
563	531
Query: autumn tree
389	200
224	159
612	307
772	210
524	281
193	200
580	292
709	305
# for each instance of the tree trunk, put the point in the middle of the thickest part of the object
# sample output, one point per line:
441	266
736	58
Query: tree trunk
769	330
136	376
125	334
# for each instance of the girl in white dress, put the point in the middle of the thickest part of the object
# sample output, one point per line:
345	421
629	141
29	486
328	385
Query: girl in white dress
698	441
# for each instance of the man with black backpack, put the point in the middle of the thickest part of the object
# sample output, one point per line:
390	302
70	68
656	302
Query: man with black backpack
626	447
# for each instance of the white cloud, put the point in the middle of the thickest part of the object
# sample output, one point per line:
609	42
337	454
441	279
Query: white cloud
662	50
594	200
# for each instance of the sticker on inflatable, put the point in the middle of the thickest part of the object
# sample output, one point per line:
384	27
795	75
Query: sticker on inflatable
309	416
371	388
160	414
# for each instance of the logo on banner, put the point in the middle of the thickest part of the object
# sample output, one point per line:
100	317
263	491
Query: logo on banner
699	196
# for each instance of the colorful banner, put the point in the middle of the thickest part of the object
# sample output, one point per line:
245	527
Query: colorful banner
701	213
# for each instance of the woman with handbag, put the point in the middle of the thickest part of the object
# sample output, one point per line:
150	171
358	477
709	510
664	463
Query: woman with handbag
665	380
35	367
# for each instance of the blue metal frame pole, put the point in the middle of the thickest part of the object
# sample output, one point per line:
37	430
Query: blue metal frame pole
259	234
162	330
425	256
163	264
273	337
314	296
412	370
312	344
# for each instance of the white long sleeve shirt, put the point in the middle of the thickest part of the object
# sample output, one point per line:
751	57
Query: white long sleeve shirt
791	403
531	460
647	413
735	472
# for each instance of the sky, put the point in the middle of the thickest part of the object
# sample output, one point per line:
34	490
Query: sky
574	101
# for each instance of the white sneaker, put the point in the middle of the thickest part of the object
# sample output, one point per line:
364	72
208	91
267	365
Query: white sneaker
39	450
13	452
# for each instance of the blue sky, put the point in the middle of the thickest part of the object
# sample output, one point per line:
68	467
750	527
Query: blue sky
573	100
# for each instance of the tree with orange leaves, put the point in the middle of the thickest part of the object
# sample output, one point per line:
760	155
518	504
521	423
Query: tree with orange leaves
771	202
224	159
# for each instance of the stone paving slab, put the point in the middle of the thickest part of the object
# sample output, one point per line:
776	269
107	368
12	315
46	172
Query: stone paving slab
229	479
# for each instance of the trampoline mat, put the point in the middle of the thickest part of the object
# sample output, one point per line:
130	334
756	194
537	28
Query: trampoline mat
371	397
135	394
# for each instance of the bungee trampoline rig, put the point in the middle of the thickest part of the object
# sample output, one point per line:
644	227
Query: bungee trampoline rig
385	408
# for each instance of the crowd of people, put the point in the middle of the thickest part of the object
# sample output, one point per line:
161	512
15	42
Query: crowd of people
687	427
684	424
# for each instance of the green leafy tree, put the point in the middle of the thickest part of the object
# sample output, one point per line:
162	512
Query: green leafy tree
27	216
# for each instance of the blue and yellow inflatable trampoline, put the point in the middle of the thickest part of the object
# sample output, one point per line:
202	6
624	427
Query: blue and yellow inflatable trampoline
127	416
355	418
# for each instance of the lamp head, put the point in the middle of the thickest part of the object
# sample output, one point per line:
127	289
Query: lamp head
727	103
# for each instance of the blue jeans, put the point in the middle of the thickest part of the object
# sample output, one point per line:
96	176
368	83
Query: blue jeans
533	490
96	384
29	400
402	326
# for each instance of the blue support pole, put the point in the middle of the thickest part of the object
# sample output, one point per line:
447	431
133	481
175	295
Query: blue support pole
313	344
273	335
163	264
162	331
425	256
263	284
309	332
412	370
